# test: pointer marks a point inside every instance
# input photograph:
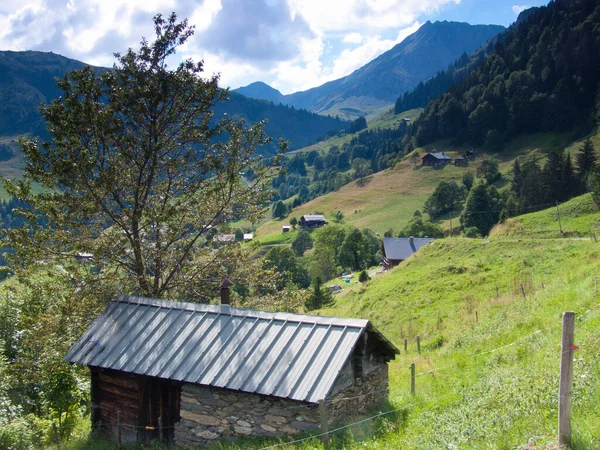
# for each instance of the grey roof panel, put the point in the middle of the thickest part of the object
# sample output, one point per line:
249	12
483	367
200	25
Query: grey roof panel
281	354
402	248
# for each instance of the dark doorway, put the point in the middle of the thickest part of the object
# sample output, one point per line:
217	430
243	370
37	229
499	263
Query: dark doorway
158	399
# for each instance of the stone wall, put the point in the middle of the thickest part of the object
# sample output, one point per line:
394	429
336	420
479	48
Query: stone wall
364	395
210	414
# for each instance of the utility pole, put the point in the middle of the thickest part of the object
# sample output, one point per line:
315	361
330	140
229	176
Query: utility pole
558	214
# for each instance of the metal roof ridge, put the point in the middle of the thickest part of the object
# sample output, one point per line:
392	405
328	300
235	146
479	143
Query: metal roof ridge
242	312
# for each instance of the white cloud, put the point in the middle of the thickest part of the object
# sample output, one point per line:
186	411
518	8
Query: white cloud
518	9
311	72
353	38
257	49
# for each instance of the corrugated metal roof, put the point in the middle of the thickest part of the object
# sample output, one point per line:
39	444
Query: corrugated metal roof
312	217
402	248
439	155
285	355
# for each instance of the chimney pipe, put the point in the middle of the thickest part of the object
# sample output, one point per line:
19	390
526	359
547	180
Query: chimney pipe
225	291
411	239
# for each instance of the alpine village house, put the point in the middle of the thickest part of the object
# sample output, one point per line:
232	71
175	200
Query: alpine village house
191	374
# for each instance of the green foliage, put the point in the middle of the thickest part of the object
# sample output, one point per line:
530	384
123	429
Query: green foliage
586	161
136	183
418	227
357	125
302	243
596	187
320	296
283	261
279	210
541	76
338	216
488	170
468	179
447	196
363	276
482	209
293	222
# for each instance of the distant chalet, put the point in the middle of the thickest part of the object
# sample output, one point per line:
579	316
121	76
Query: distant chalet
435	159
309	221
214	372
396	250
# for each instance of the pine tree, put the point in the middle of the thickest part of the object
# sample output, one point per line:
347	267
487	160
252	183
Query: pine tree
586	163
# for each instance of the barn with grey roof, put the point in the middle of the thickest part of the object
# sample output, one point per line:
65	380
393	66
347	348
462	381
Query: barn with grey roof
396	250
210	372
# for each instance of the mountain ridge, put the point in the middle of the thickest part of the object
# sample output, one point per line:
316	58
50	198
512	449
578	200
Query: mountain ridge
379	82
28	79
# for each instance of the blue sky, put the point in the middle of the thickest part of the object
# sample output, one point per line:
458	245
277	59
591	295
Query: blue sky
291	44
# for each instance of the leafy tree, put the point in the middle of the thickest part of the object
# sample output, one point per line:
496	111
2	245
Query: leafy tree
363	276
354	253
488	170
302	243
361	167
322	263
283	261
467	179
446	197
482	208
418	227
338	216
279	210
137	171
293	222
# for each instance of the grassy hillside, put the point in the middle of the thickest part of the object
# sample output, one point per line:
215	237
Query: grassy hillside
487	376
578	217
388	199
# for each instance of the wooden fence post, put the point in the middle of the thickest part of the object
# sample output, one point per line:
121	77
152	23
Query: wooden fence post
558	215
160	430
523	290
412	378
405	345
476	317
119	430
497	292
566	380
324	422
419	344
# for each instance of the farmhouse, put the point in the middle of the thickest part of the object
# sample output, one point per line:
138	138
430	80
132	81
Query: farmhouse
435	159
396	250
460	161
191	374
308	221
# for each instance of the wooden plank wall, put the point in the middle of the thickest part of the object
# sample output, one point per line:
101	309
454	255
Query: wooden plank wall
114	392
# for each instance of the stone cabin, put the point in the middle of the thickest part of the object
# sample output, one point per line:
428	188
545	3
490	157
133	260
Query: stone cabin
435	159
396	250
309	221
214	372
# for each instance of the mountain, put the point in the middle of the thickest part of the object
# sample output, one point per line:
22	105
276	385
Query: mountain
421	55
261	91
542	76
27	79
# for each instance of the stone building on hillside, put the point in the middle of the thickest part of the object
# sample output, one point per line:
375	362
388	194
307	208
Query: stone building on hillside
214	372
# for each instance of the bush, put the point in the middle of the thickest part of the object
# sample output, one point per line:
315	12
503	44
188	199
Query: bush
472	232
363	277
